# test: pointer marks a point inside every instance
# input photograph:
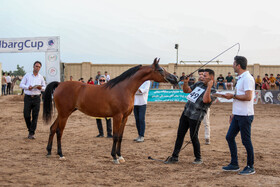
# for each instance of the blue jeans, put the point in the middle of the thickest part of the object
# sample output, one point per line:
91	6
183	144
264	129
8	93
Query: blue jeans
155	85
242	124
180	84
222	83
139	114
3	89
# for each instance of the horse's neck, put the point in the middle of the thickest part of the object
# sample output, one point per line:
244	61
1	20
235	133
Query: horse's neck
134	82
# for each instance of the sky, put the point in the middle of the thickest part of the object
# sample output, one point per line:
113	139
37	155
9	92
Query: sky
135	32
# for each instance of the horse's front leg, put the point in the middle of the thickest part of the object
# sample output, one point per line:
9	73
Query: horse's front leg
121	130
117	120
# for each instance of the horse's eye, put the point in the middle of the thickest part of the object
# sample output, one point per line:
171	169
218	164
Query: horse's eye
160	70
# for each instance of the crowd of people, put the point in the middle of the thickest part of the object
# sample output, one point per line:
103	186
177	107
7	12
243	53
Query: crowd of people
229	82
6	84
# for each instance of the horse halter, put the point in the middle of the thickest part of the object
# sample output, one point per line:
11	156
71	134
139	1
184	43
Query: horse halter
161	72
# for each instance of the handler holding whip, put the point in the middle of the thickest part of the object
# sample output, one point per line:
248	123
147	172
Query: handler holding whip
199	100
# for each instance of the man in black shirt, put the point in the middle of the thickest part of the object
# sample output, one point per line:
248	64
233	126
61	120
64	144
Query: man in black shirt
221	81
181	80
199	100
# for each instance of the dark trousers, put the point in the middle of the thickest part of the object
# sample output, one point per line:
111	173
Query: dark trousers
139	114
31	105
242	124
9	88
185	124
257	85
100	128
3	89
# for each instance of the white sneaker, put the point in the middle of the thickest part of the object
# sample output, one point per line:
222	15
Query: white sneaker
136	138
140	139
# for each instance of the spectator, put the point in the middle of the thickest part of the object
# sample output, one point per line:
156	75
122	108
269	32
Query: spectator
206	119
265	82
107	76
101	81
155	85
71	78
229	83
140	105
278	81
181	80
272	81
221	81
191	80
97	77
258	83
90	81
82	80
4	84
9	84
175	87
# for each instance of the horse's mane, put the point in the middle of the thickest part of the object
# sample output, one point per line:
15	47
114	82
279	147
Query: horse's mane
122	77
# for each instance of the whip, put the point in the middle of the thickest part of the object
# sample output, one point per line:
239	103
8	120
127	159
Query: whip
217	57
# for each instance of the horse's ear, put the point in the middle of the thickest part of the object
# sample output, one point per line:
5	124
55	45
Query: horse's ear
155	61
158	60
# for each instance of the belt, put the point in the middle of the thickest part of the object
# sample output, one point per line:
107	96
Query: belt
33	96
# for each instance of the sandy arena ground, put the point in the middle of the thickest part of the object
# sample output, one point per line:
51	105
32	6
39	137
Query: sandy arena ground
89	163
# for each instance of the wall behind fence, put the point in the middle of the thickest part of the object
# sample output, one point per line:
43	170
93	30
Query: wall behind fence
87	69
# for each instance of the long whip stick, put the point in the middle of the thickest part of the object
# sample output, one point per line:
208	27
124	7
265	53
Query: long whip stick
216	57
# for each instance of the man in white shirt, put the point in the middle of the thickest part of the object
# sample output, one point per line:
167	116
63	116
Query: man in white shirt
107	76
140	103
206	119
32	83
242	116
9	84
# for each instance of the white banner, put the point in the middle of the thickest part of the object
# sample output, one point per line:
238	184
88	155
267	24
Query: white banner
52	67
22	45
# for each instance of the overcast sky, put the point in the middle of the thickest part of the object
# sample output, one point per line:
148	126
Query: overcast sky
128	31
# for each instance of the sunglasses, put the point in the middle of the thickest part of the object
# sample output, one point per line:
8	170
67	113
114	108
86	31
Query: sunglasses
101	80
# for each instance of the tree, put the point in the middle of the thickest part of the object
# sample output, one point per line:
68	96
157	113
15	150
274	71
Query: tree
19	72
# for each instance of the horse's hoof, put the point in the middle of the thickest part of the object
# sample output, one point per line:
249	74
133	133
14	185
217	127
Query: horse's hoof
62	158
48	155
121	159
116	161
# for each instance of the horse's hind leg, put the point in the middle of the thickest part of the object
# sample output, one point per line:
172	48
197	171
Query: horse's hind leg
59	132
52	132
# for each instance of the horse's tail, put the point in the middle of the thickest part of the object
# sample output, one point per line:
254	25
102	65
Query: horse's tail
47	104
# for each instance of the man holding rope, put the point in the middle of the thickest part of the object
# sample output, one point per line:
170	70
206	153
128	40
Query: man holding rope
199	100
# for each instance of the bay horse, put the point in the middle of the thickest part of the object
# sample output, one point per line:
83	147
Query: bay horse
114	99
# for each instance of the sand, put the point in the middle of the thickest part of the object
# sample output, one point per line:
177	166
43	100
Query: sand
23	162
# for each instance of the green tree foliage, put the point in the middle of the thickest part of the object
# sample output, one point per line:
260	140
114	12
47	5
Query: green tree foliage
19	72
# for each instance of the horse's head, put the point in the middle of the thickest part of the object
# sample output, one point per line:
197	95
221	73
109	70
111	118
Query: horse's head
159	74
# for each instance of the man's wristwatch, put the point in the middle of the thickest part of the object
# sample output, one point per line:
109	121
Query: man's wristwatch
234	96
